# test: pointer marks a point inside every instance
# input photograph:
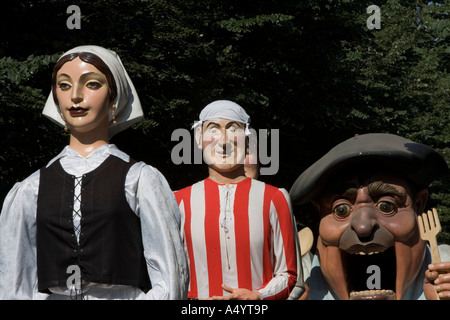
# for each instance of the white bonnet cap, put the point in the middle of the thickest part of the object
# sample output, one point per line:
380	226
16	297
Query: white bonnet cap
224	109
128	111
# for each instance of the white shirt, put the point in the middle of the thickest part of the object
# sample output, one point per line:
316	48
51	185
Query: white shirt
149	196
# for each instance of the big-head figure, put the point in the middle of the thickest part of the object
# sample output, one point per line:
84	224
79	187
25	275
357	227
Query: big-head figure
368	191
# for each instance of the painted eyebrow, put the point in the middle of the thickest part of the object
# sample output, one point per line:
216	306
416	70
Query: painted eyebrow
97	76
229	124
63	75
232	123
212	124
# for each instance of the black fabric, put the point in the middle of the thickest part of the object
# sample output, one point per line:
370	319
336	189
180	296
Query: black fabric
110	249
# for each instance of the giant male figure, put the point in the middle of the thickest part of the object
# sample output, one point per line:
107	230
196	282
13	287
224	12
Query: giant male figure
368	191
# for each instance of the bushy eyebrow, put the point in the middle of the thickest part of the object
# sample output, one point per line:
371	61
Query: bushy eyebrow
379	188
350	192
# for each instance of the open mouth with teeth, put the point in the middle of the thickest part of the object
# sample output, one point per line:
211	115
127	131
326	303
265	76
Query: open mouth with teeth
371	273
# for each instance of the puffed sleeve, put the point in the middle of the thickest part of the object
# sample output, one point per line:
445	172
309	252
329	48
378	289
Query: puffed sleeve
163	247
18	269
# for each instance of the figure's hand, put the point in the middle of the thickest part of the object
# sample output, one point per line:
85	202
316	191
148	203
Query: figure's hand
437	281
237	294
305	295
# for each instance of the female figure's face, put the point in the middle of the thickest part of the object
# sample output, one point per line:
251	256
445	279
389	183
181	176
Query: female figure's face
83	95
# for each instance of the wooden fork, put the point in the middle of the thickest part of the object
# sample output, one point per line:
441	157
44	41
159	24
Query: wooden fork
429	227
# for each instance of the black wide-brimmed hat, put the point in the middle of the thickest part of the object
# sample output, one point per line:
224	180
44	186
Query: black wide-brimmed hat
416	162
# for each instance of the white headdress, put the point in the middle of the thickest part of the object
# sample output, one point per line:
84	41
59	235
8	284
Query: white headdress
224	109
128	111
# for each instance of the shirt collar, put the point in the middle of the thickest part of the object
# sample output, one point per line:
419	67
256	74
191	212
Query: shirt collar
102	152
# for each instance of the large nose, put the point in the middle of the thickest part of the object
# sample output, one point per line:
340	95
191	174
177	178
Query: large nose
77	93
364	223
364	220
225	139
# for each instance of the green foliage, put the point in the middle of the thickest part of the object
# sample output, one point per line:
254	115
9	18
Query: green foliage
309	68
246	25
26	141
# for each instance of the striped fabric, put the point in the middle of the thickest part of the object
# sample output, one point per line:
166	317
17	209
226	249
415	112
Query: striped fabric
239	234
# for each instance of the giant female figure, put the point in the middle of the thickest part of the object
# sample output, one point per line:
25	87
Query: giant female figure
93	223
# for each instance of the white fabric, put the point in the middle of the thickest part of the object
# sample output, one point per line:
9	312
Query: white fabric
224	109
148	195
128	111
76	213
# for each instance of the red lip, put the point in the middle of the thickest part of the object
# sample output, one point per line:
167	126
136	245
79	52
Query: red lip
76	111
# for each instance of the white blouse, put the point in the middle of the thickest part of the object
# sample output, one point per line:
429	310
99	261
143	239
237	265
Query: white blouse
149	196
